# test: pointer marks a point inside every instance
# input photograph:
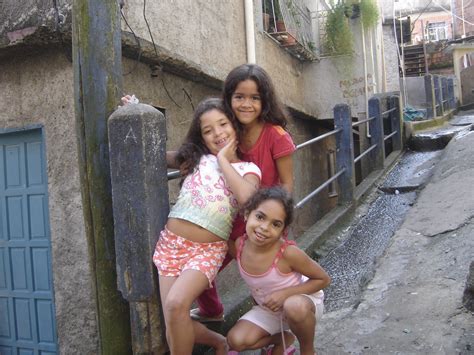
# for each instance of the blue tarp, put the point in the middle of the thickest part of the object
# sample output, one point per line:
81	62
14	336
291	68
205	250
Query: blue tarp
414	114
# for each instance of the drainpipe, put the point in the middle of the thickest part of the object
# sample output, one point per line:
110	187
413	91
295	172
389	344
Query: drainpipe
249	31
365	81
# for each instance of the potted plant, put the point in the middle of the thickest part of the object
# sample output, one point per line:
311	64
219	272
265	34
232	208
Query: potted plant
338	37
369	13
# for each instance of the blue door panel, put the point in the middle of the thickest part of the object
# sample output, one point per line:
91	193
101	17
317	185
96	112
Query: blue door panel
44	311
27	316
41	262
34	163
13	166
36	212
15	217
19	269
24	329
6	350
5	325
3	271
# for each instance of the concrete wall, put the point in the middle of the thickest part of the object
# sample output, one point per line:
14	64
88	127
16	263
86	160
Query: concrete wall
392	77
467	85
416	95
38	90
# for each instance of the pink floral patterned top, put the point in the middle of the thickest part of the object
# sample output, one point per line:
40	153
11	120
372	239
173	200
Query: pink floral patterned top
206	200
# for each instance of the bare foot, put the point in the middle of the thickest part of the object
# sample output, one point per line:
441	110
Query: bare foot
222	348
279	349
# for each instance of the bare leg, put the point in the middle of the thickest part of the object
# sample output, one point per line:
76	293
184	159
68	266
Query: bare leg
246	335
177	295
299	312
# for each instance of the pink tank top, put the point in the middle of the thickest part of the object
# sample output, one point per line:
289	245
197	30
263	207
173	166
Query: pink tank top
270	281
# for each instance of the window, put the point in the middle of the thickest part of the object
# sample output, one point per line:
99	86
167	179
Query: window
436	31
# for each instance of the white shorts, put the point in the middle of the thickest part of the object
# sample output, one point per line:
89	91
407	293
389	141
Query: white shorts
272	323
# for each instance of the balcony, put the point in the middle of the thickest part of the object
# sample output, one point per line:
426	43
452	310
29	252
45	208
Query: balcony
288	22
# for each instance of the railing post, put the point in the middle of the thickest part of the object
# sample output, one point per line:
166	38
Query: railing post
444	85
344	152
137	145
452	101
376	132
430	96
438	95
396	122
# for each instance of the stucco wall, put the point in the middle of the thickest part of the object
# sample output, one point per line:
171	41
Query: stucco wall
38	90
467	85
416	95
392	77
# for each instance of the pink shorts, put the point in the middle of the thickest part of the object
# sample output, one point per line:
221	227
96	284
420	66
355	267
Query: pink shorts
272	322
174	254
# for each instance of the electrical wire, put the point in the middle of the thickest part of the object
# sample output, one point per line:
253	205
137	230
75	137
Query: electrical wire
156	53
138	44
450	12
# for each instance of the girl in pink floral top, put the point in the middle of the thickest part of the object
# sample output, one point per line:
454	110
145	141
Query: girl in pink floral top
193	244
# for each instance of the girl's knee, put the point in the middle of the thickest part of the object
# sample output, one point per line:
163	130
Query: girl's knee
238	340
297	308
235	341
175	308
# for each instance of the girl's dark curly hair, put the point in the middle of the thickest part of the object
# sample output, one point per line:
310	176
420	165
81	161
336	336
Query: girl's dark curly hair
193	147
276	193
272	110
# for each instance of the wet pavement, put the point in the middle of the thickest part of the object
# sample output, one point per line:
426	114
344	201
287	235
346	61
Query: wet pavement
399	275
351	264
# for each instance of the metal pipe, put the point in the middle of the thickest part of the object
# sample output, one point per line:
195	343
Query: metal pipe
318	138
388	136
365	153
362	121
249	31
319	189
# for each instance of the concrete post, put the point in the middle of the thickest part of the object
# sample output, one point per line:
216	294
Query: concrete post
445	94
438	95
396	122
137	136
97	63
452	100
344	152
430	96
376	132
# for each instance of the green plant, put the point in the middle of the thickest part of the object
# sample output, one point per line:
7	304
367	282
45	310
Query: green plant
276	8
338	39
369	13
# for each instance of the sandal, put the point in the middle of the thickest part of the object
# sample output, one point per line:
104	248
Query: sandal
291	350
195	314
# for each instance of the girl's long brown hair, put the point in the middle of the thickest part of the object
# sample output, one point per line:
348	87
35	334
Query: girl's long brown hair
272	110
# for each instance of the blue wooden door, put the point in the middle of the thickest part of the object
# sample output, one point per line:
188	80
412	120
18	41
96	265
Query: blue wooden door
27	318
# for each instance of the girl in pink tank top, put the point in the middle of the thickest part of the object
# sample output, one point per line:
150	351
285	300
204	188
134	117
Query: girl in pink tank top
284	281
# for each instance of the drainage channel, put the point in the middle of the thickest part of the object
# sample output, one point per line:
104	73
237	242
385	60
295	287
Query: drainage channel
351	264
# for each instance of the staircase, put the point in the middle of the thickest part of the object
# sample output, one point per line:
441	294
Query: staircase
415	60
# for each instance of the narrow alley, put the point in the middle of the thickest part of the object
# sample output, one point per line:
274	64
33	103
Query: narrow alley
407	298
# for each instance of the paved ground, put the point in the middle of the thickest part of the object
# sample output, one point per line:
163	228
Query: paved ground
413	304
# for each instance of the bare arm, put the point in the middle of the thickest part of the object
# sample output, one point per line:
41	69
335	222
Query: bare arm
300	262
285	171
171	159
243	187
